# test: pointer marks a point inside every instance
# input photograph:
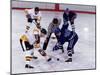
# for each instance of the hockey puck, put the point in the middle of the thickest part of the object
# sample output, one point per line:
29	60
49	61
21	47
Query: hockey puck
57	59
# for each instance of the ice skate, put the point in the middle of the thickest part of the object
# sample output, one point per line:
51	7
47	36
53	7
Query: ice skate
68	60
49	60
34	57
28	66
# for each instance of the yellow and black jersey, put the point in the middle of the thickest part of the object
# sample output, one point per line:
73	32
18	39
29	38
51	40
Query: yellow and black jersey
25	43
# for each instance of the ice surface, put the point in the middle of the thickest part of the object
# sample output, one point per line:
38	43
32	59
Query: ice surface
84	57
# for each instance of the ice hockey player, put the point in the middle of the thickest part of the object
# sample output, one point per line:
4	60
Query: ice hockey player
52	28
69	16
33	14
27	41
67	36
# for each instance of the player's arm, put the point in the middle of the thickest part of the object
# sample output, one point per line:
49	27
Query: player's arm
72	21
28	16
65	19
27	13
73	27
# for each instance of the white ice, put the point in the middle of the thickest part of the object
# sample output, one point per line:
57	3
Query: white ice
84	57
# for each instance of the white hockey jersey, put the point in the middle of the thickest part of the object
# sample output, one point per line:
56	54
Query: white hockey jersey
32	13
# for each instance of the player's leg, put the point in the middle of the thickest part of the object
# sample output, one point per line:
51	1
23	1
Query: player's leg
37	41
42	51
75	41
71	44
38	25
37	22
28	16
69	51
29	47
28	51
28	59
72	24
59	44
44	54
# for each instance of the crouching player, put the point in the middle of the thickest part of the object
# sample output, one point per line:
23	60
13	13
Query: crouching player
28	42
52	28
67	36
33	14
69	16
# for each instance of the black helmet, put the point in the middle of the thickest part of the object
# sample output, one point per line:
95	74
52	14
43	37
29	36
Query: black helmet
36	8
67	9
55	21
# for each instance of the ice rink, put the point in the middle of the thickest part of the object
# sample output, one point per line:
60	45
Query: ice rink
84	57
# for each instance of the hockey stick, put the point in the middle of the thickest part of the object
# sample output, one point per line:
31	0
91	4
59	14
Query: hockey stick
46	42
